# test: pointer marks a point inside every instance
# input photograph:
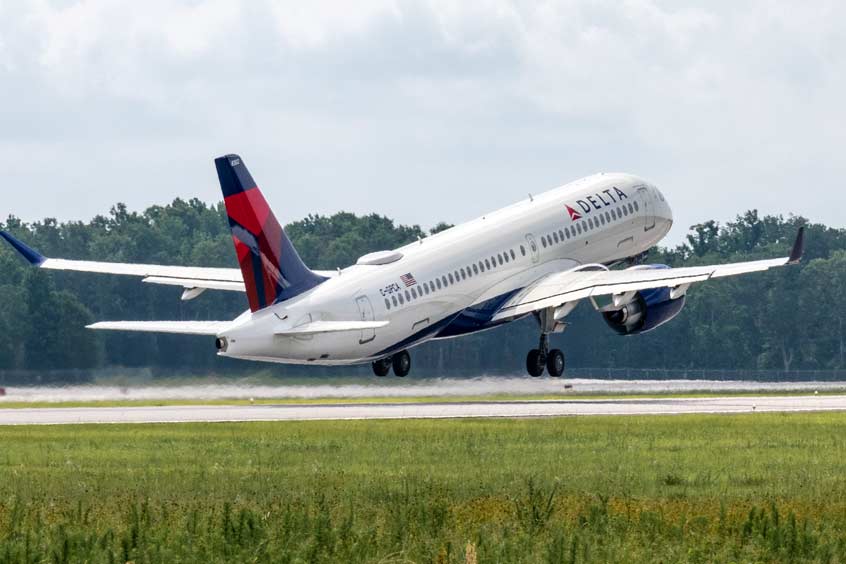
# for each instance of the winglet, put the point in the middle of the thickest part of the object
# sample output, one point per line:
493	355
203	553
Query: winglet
798	247
34	257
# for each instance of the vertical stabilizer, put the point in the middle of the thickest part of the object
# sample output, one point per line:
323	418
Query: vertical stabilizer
272	269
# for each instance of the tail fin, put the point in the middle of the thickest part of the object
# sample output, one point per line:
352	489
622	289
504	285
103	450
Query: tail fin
272	269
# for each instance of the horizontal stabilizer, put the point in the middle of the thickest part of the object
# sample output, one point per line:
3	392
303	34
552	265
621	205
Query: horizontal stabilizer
178	327
197	283
316	327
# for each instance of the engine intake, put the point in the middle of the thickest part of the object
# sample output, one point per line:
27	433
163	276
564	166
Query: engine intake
648	310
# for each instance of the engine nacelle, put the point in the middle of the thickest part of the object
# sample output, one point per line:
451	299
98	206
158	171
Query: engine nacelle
648	310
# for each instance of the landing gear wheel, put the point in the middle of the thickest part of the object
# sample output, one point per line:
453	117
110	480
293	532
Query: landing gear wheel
535	362
402	363
382	366
555	363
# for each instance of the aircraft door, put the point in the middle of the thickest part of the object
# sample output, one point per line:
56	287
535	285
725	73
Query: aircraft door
533	248
648	208
365	312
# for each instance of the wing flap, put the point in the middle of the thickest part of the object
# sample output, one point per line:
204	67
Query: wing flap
177	327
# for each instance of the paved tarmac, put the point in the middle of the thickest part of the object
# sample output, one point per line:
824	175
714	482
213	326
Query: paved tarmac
429	410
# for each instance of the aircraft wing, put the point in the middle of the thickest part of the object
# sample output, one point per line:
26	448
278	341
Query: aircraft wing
179	327
561	288
194	279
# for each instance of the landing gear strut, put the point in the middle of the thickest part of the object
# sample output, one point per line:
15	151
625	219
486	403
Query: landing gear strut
542	357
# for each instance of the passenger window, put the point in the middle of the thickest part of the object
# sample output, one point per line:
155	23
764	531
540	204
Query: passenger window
394	300
426	288
522	250
543	242
413	293
555	236
631	209
387	304
475	269
637	207
579	227
451	279
487	264
407	296
513	256
402	301
561	235
463	274
493	261
438	282
608	217
432	287
444	280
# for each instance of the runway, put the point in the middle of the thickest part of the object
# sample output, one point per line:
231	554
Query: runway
429	410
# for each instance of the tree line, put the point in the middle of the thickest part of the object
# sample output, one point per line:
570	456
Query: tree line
786	319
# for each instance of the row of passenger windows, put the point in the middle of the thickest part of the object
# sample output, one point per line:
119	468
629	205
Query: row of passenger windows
590	224
463	273
454	277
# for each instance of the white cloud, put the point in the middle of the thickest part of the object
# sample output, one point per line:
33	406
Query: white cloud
397	106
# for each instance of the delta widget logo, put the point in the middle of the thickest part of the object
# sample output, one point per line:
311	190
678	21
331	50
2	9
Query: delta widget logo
574	215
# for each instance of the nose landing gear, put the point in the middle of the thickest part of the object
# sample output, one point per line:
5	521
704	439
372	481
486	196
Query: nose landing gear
400	362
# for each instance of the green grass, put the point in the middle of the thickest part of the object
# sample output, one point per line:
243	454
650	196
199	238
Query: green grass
745	488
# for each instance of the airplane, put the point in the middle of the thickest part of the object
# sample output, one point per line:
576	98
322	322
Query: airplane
584	241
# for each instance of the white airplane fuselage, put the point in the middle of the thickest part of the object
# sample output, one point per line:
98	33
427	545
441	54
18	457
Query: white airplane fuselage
451	283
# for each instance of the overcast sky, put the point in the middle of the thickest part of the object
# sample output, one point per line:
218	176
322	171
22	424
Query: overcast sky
422	111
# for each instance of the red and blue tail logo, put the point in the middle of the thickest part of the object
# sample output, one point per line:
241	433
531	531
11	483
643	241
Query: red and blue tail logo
272	269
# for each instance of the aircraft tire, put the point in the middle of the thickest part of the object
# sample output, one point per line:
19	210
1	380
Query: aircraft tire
382	366
402	363
534	363
555	363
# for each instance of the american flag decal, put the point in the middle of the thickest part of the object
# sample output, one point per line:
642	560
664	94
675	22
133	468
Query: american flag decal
408	280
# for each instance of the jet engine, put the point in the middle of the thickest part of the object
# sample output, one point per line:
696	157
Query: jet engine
647	310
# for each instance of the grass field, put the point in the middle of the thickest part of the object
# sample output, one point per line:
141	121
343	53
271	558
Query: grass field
747	488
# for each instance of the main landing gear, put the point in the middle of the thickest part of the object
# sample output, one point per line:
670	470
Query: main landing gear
400	362
542	357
